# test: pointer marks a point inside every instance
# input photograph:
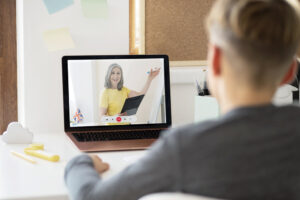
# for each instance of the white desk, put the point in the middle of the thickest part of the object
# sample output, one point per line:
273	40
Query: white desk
20	179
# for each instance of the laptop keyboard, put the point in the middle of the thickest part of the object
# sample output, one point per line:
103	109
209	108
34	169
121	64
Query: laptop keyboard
124	135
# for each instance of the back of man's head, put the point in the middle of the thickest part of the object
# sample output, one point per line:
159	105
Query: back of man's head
259	38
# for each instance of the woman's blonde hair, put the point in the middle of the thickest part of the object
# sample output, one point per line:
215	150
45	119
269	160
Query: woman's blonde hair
107	83
260	37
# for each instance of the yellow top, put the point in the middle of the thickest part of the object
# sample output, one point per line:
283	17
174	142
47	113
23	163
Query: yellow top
113	100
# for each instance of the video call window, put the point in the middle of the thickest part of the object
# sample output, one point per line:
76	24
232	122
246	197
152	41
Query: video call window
98	90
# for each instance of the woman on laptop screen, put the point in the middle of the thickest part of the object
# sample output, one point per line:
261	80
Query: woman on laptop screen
115	93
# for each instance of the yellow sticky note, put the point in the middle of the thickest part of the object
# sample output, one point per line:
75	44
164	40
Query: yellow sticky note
94	8
58	39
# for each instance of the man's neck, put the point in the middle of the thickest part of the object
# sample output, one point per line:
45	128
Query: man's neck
243	98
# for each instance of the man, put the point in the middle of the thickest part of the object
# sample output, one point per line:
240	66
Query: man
252	151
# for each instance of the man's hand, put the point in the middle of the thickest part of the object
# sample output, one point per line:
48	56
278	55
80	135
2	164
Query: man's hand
99	165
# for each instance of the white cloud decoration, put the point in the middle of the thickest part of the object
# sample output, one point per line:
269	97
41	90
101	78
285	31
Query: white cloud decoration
16	134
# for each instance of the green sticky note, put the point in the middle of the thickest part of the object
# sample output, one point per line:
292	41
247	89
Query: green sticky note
94	8
58	39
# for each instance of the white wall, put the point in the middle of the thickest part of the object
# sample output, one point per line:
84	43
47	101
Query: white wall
82	89
39	71
183	91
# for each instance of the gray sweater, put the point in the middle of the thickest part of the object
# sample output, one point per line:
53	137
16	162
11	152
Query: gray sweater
249	153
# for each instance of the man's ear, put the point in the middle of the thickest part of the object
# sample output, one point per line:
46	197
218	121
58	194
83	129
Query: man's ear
216	60
291	73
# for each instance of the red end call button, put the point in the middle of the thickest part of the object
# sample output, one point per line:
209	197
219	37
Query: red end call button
119	119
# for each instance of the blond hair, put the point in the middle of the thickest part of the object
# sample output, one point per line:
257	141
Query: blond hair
259	37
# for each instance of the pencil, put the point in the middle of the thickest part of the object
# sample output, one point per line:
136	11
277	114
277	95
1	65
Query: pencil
25	157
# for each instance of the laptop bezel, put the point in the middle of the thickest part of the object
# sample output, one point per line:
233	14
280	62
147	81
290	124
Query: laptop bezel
65	80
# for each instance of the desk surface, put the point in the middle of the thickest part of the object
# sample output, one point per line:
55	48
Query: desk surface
20	179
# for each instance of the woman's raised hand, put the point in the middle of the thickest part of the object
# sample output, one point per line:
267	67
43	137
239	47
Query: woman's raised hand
153	73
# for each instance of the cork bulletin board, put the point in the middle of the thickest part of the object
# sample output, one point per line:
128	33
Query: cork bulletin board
175	28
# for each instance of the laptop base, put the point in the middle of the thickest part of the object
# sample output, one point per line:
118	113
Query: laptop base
116	145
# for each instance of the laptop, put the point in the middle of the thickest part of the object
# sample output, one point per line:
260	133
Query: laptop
95	89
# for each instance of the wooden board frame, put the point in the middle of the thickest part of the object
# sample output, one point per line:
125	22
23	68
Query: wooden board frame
8	64
137	34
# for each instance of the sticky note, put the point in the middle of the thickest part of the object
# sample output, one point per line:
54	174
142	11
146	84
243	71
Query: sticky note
94	8
56	5
58	39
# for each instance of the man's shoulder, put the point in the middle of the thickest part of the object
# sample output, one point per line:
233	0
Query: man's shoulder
184	132
293	108
235	123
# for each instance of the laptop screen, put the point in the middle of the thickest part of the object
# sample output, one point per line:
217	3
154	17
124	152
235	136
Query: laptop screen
116	91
